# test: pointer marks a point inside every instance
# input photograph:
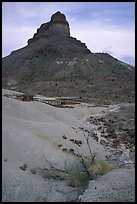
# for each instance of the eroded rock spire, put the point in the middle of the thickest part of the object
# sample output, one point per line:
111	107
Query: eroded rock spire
58	25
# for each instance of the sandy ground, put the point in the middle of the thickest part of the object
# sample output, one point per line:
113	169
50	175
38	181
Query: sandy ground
116	186
31	133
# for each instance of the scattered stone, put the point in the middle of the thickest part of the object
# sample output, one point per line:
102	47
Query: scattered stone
78	142
71	151
65	150
33	171
27	98
23	167
64	137
59	145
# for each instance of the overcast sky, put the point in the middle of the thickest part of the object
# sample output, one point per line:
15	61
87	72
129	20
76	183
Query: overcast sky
103	26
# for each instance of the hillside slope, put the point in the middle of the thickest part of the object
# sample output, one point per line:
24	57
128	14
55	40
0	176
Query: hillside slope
56	64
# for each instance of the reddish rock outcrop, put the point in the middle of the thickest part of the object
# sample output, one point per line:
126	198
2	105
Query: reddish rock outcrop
58	25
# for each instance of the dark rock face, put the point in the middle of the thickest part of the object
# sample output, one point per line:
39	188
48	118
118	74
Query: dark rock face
59	18
58	25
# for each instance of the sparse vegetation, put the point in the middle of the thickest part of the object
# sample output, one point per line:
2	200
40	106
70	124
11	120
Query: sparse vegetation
101	167
80	176
89	168
77	177
84	168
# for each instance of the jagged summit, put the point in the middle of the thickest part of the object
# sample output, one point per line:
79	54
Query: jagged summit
59	17
55	35
58	25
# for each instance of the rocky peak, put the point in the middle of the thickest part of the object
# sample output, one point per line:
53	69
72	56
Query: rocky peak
58	25
58	17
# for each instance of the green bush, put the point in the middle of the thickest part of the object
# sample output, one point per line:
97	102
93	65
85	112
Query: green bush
77	178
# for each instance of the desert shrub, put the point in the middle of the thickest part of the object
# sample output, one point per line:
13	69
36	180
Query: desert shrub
77	177
85	168
100	168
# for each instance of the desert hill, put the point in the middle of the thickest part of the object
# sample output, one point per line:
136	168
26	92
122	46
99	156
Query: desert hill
56	64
